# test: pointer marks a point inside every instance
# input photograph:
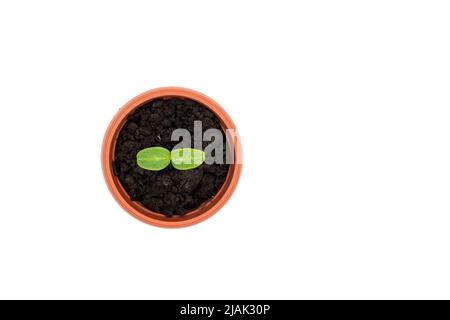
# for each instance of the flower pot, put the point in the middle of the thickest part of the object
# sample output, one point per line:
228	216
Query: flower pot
137	209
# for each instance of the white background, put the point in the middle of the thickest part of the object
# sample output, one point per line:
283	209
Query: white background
344	112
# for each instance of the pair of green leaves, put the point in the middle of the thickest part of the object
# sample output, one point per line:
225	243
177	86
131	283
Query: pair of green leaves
158	158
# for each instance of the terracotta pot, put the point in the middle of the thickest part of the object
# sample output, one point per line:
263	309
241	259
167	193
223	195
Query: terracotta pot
136	209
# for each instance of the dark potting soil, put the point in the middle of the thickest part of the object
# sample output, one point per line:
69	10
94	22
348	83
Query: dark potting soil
169	191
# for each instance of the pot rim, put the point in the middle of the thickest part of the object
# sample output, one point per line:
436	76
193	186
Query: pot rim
137	210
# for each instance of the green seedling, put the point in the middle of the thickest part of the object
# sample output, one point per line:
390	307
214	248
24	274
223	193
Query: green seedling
154	159
187	158
158	158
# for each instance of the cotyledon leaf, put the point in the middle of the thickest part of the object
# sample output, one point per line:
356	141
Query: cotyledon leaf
154	158
187	158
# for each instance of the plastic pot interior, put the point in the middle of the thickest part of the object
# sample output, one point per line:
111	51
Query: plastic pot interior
136	209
